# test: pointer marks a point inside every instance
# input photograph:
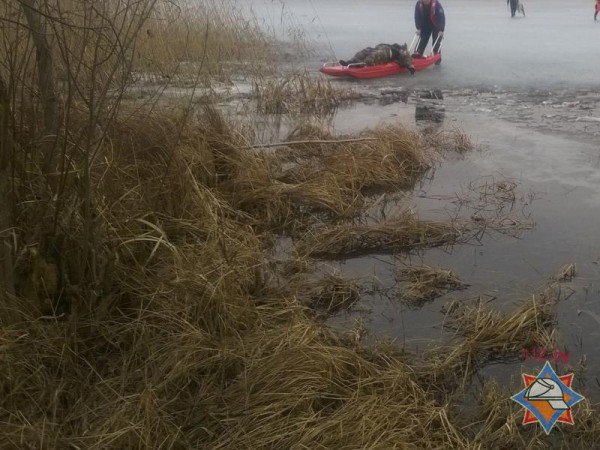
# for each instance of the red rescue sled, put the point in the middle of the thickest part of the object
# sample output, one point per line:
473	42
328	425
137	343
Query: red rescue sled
381	70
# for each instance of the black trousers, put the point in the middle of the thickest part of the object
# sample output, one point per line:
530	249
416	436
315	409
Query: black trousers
425	35
513	7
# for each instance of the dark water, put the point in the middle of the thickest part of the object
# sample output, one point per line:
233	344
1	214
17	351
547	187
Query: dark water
524	90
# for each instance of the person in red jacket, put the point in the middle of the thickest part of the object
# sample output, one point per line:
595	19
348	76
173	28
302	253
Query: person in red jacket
430	21
596	9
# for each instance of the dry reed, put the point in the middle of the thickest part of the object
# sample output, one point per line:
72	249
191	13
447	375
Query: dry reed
489	335
298	92
403	234
214	37
425	283
331	293
393	158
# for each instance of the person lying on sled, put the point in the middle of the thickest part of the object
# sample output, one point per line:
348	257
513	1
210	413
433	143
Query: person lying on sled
383	54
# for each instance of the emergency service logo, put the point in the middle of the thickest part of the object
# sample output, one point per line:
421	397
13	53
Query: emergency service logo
547	398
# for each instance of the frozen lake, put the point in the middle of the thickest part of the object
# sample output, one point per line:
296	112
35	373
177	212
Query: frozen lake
554	46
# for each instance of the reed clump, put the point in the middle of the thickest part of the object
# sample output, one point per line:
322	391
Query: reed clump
405	233
385	158
425	283
327	178
297	92
331	293
284	205
452	140
483	335
214	38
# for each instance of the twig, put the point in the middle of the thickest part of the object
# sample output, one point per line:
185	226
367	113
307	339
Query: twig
329	141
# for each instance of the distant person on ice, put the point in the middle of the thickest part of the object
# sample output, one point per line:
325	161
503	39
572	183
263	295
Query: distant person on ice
430	21
383	54
513	6
596	9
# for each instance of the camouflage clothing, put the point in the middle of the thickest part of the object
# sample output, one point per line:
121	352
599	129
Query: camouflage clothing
382	54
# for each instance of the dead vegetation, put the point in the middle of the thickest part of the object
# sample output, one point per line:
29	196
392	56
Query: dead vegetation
405	233
484	335
137	306
390	157
497	424
326	181
454	140
424	283
331	293
298	92
215	38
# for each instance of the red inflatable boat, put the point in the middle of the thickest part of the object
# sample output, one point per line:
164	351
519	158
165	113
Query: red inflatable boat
381	70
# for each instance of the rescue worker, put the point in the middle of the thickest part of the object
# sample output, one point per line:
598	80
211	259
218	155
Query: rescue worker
430	21
513	6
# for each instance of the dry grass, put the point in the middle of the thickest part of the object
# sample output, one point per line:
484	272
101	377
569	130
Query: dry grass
119	369
425	283
185	42
393	158
145	314
454	140
490	191
189	345
286	206
213	37
312	182
331	293
298	92
487	335
566	273
403	234
497	424
315	395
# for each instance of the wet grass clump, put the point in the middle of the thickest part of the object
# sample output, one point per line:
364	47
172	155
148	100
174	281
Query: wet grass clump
328	180
483	334
295	93
425	283
403	234
332	293
385	158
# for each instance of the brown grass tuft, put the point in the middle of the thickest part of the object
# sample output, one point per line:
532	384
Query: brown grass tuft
490	335
454	140
402	234
331	293
215	38
298	92
327	397
425	283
